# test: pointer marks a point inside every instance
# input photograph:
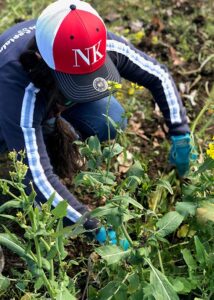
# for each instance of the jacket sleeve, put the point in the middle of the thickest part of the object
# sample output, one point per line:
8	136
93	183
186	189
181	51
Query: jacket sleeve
20	123
136	66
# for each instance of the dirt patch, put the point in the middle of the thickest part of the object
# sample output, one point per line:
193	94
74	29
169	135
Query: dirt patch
2	4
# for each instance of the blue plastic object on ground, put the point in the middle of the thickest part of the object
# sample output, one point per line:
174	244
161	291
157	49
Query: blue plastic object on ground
103	235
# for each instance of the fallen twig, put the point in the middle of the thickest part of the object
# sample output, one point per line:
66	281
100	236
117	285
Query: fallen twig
199	69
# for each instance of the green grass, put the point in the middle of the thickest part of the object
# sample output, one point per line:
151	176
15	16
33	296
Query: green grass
184	253
14	11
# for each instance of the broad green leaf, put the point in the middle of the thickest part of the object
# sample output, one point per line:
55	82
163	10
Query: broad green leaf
114	124
112	253
60	210
39	283
50	201
201	253
108	291
121	293
21	285
4	283
34	270
60	241
189	260
189	190
9	205
161	287
108	209
84	150
110	152
52	253
182	285
136	170
159	238
32	196
127	200
169	223
139	295
207	165
7	241
76	230
130	215
132	182
95	178
13	236
165	184
93	164
186	208
92	292
8	217
65	295
134	282
94	144
114	220
45	263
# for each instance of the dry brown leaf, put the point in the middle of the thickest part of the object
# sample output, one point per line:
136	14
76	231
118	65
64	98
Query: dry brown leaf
166	129
157	23
205	213
112	16
192	97
94	257
123	169
134	125
136	25
159	133
155	143
125	161
141	134
182	87
177	61
157	112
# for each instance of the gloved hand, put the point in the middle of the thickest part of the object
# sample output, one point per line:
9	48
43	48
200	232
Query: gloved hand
102	236
180	153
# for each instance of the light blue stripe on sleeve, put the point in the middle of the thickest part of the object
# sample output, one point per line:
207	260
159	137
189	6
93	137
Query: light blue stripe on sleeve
153	69
35	166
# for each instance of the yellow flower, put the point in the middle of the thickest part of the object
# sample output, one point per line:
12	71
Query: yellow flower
118	86
210	150
19	215
112	85
137	37
155	40
12	155
131	91
119	95
134	88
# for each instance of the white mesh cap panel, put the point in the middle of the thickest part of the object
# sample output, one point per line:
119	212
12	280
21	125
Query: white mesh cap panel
49	22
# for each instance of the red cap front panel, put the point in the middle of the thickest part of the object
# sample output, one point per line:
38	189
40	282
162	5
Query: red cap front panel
80	43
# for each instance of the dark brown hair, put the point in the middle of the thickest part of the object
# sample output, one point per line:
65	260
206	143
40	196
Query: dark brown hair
63	153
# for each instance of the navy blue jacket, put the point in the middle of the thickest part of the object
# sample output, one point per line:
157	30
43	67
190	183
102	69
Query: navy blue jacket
23	107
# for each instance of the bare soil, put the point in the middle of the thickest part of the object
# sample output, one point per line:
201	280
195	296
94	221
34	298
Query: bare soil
1	4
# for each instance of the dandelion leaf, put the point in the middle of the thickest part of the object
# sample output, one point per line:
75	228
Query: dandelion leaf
169	223
112	253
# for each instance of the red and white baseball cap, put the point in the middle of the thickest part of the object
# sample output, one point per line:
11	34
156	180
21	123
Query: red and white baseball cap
71	38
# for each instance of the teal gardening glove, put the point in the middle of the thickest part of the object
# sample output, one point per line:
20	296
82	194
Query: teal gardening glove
103	235
180	153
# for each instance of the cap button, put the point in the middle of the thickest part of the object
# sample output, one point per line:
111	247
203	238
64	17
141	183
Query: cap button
72	7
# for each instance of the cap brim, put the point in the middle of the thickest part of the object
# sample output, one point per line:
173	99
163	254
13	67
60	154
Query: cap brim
82	88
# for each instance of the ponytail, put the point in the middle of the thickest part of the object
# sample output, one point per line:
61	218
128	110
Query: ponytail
63	153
